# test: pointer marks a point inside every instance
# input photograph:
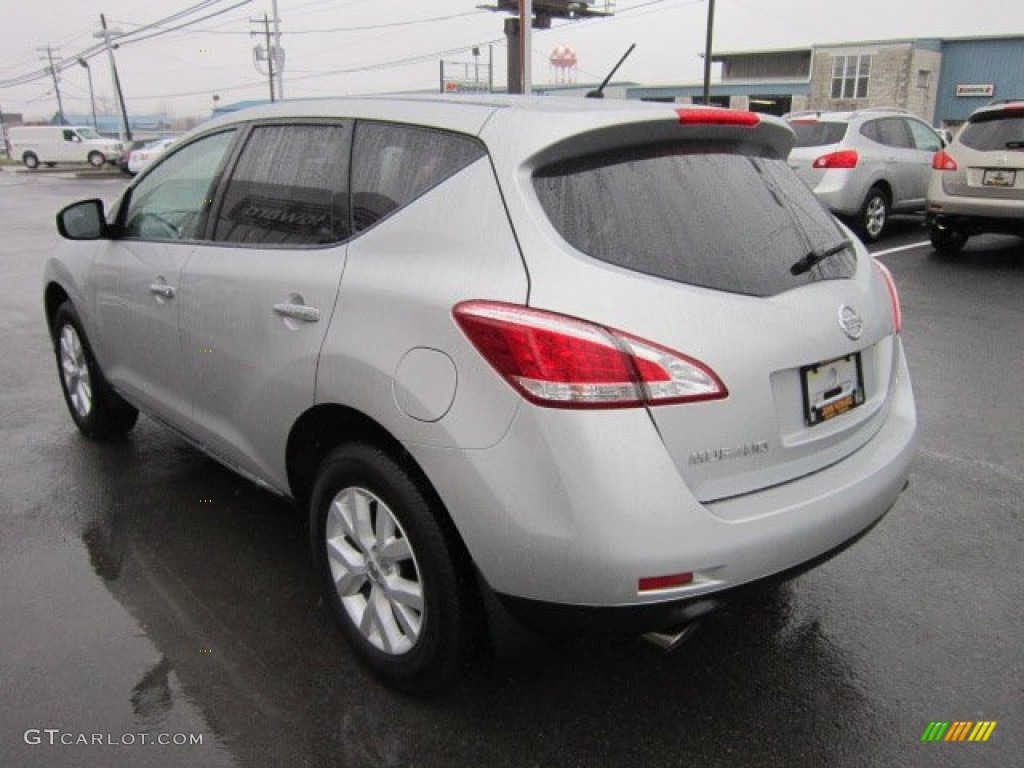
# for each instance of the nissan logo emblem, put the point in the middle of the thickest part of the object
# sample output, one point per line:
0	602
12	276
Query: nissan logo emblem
850	322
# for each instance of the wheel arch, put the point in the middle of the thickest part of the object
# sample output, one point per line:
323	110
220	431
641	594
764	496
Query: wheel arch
325	426
53	297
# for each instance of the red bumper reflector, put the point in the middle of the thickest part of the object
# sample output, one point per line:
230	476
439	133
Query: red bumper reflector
651	583
717	116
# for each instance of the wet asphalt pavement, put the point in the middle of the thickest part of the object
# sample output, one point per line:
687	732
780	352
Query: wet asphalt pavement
146	593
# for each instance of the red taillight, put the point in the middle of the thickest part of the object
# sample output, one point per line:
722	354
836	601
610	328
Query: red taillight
941	161
717	116
652	583
894	297
844	158
562	362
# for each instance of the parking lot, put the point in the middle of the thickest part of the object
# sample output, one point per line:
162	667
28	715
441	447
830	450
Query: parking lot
147	590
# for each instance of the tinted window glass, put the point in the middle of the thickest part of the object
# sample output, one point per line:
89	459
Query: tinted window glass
811	134
395	164
169	202
725	217
924	137
891	131
290	186
998	130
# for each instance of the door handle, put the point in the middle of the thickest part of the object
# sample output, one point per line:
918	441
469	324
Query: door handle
298	312
162	289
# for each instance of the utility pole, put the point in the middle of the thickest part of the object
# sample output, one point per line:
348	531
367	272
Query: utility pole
259	52
707	53
124	132
278	50
53	73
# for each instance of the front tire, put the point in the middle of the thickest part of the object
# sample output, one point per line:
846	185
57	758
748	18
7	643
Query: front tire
96	159
389	569
874	215
97	410
947	241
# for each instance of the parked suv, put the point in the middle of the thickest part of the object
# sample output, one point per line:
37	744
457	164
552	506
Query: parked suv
977	182
866	164
567	364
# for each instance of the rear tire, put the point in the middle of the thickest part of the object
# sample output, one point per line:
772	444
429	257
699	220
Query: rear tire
389	570
874	215
97	410
947	241
30	160
96	159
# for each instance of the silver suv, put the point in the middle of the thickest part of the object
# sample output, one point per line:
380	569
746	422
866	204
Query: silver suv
977	182
866	164
567	364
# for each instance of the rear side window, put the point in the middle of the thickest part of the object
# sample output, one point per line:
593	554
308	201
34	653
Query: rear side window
726	217
814	134
395	164
890	131
994	131
290	186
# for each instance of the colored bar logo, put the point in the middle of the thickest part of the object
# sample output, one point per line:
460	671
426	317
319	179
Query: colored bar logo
959	730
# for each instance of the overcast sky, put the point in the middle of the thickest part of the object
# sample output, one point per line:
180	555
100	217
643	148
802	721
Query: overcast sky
179	71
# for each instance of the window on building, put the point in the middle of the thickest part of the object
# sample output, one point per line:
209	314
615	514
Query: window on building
850	76
924	78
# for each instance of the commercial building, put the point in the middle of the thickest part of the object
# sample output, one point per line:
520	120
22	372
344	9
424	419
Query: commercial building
941	80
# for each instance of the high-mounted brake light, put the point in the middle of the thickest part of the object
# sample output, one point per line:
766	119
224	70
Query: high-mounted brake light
941	161
844	158
717	116
562	362
894	297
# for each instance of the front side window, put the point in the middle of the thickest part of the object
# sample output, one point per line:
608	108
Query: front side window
732	217
925	138
171	200
69	135
850	75
395	164
290	186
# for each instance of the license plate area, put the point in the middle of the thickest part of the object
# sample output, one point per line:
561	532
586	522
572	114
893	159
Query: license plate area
998	177
832	388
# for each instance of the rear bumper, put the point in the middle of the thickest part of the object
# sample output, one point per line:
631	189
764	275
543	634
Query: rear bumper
976	224
558	618
571	509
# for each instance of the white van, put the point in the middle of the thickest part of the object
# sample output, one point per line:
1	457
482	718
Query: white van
52	144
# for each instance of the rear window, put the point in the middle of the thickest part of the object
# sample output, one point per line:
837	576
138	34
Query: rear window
813	134
994	130
731	217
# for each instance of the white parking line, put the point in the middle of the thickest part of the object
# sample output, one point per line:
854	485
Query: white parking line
897	249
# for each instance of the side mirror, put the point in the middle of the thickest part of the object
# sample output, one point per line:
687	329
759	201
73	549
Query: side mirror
82	221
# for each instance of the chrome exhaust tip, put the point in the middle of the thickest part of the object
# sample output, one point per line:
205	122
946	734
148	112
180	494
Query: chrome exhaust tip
670	639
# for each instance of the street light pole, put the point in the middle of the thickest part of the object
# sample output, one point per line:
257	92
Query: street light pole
92	95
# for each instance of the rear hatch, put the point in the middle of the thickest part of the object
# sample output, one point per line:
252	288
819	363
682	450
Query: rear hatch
814	139
710	246
989	153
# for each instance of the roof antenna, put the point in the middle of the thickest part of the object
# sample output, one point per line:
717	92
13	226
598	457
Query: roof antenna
598	93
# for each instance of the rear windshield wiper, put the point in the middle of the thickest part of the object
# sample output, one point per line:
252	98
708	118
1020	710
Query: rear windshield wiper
816	257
